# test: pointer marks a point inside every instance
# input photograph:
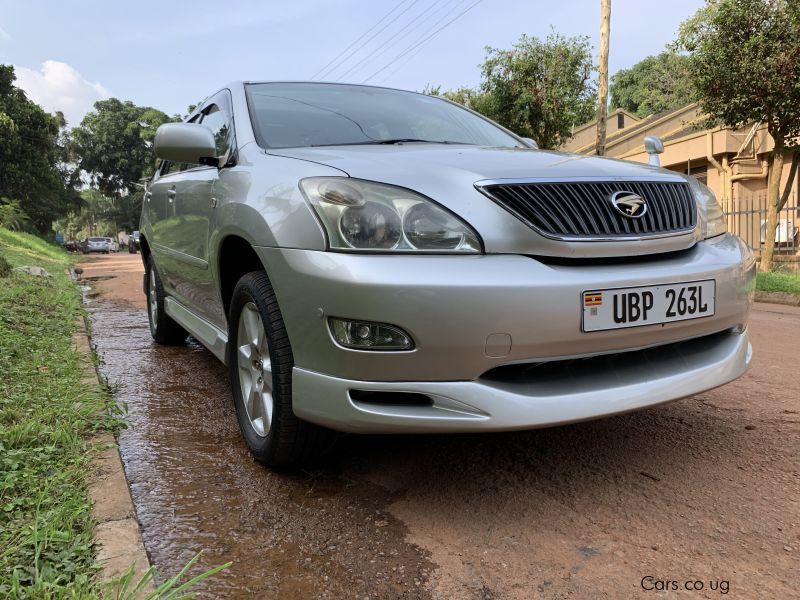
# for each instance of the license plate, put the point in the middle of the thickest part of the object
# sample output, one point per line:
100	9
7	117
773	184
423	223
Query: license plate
647	305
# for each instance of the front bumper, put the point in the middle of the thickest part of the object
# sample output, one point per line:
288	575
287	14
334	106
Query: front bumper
525	399
470	315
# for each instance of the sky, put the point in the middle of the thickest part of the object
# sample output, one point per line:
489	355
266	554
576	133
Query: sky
67	55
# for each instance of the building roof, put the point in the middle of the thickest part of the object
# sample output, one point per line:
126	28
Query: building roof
616	111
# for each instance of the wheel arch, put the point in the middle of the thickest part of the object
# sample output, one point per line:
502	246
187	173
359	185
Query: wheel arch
235	258
144	249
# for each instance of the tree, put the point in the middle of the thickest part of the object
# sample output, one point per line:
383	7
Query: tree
115	146
11	215
34	166
653	85
471	98
540	89
744	62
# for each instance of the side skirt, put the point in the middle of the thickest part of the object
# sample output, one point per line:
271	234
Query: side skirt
207	334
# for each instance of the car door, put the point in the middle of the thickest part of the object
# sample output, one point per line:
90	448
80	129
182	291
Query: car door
160	216
195	212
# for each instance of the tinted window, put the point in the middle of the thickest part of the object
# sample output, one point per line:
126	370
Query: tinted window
218	122
313	114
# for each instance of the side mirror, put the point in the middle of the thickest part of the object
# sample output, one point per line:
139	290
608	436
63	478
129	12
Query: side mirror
190	143
531	143
653	146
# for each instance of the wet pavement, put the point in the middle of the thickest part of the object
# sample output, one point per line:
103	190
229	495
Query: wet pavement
291	534
704	488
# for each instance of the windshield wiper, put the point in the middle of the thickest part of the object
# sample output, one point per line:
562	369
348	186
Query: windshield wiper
389	141
402	140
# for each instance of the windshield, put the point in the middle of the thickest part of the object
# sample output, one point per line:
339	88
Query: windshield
97	239
288	115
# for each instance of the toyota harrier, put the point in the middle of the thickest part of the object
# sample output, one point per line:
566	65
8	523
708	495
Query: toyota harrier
373	260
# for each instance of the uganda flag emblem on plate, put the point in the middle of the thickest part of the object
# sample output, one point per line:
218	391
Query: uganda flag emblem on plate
592	299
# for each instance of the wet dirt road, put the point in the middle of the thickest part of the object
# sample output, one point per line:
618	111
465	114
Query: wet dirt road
704	490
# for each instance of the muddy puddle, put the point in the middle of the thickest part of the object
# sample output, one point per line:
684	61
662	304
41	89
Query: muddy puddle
291	534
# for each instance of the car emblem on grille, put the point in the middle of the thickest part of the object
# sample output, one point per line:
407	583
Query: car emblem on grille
629	204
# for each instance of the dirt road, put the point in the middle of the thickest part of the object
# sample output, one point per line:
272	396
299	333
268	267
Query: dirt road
704	491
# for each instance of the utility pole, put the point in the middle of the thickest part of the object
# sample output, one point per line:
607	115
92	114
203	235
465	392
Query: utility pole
602	86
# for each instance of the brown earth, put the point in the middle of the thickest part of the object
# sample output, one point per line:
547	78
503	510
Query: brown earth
706	489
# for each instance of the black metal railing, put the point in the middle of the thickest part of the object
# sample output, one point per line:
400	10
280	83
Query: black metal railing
747	218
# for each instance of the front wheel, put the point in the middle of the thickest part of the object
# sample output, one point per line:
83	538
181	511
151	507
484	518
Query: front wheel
260	362
162	327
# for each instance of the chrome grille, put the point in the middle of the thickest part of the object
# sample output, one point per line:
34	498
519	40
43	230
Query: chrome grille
583	210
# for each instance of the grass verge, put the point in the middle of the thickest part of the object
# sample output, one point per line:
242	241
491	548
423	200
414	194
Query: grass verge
47	417
778	282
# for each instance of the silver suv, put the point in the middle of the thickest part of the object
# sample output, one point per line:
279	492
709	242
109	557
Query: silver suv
374	260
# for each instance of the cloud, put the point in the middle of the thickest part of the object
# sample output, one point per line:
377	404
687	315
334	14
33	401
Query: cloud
58	86
4	36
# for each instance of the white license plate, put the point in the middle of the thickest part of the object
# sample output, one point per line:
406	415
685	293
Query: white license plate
647	305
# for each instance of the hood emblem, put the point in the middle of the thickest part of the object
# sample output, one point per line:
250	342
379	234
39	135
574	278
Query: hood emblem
629	204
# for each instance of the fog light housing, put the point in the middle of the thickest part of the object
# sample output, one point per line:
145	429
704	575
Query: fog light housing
367	335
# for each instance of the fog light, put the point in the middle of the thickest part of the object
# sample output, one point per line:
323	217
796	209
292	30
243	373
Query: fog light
365	335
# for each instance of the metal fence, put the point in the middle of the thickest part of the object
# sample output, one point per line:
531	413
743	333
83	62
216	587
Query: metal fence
747	218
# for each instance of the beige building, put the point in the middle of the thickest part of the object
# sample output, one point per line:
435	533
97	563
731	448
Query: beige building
733	163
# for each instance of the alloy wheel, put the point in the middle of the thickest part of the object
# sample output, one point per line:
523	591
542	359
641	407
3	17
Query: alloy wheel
255	369
153	298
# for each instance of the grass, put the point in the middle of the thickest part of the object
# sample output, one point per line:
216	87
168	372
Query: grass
47	417
778	282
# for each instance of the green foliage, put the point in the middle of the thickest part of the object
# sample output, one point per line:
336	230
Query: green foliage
778	282
5	267
744	61
538	89
47	417
174	588
34	156
11	215
100	215
26	249
653	85
115	144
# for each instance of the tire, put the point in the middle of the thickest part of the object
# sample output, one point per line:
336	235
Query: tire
162	327
272	432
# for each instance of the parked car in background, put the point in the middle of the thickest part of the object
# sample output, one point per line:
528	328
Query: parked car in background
72	246
97	244
373	260
133	242
113	244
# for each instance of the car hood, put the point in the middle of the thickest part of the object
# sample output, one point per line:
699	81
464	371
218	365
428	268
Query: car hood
448	174
401	164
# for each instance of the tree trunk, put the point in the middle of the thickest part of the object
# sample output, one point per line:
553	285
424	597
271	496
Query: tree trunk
773	205
602	69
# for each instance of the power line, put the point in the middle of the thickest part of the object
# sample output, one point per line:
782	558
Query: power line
447	13
358	39
387	43
372	37
424	41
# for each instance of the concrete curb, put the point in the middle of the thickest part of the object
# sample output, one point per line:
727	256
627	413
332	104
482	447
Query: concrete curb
778	298
116	534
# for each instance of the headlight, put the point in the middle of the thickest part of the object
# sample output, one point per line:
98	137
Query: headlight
712	219
375	217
